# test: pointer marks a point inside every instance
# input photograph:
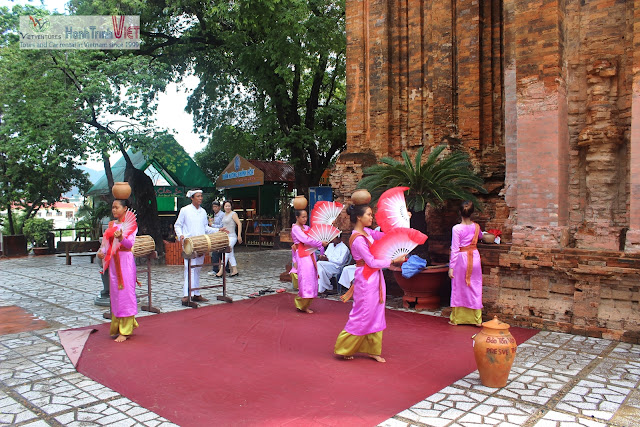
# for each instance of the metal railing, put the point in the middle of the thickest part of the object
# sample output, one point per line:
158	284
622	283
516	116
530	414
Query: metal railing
77	234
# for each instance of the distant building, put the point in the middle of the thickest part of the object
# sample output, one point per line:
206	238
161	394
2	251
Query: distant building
63	214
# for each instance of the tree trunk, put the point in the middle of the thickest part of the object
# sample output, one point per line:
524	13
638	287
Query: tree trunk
107	169
419	222
12	229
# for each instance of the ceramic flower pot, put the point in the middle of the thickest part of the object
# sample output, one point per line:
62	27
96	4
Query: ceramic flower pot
494	349
121	190
40	250
488	238
423	290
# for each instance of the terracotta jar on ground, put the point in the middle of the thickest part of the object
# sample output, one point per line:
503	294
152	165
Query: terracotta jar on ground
495	349
121	190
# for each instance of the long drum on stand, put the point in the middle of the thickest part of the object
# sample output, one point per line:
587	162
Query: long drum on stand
143	246
205	243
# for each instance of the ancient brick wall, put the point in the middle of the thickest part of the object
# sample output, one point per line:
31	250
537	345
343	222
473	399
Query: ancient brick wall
584	292
424	72
545	97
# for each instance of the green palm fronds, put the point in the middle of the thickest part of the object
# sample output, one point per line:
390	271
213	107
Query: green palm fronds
440	178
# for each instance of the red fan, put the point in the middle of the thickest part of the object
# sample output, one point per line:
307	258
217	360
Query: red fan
392	209
129	225
397	242
323	233
325	212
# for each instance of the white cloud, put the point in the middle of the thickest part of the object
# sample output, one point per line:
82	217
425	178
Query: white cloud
171	114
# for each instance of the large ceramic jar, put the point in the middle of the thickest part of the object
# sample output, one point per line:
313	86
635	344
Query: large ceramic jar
495	349
121	190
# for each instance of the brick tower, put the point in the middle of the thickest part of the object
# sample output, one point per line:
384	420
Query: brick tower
545	98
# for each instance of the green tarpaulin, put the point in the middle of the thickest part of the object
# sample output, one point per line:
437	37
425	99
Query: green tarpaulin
172	162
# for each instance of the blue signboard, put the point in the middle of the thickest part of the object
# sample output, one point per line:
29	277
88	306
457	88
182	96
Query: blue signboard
319	194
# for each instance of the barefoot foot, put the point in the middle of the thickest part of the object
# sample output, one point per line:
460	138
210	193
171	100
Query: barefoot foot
453	324
377	358
308	310
121	338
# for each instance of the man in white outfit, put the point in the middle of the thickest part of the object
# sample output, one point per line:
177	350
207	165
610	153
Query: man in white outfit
336	256
193	221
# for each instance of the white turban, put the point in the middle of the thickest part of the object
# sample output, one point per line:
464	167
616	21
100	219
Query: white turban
192	193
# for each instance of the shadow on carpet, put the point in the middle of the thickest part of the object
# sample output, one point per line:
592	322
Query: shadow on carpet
261	362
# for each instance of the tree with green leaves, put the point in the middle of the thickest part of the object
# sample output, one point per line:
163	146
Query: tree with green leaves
38	144
58	107
224	144
273	68
442	177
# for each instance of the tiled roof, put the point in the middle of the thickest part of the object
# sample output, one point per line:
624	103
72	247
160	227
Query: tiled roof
275	171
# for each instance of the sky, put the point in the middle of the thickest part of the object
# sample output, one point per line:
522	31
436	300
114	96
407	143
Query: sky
170	115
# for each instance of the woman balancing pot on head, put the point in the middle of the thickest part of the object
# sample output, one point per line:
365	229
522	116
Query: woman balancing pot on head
303	258
363	331
119	263
465	270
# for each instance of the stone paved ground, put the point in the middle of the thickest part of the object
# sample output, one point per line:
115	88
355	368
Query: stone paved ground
557	379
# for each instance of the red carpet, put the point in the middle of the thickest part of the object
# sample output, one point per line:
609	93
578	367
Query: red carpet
260	362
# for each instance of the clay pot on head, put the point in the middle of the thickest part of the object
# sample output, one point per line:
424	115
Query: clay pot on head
299	202
361	197
121	190
494	349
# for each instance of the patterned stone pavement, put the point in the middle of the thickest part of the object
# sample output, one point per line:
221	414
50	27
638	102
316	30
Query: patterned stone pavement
557	379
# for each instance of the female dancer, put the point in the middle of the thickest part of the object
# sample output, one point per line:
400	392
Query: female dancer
122	274
231	223
305	263
363	331
465	271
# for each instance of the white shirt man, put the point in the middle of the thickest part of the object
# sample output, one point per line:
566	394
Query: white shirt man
193	221
336	255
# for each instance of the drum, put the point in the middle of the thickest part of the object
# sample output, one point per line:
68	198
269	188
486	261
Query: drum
143	246
205	243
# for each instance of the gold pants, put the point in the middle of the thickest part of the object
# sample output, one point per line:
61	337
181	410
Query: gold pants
348	345
465	316
303	303
122	325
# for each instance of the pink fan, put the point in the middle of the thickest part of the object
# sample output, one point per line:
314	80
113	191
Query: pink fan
323	233
129	225
325	212
397	242
392	209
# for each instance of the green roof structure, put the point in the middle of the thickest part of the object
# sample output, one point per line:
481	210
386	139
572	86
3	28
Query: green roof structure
170	160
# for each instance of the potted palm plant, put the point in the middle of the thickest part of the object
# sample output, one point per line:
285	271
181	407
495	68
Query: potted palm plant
444	176
36	230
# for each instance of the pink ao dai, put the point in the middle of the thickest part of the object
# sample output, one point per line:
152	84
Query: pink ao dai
306	269
461	294
367	314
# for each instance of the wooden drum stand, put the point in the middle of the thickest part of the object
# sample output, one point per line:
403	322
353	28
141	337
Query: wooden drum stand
221	264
